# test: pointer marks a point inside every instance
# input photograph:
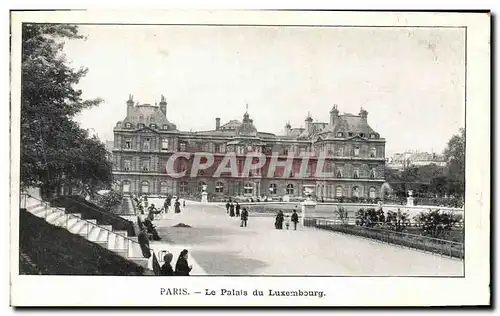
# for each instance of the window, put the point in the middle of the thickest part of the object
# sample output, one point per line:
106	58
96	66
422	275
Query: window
126	186
165	127
248	188
340	152
273	189
289	189
356	151
141	118
362	135
126	165
182	146
199	146
163	187
140	125
355	191
164	144
373	135
340	134
145	165
338	174
373	152
219	187
128	125
285	152
217	148
146	144
350	134
356	173
152	125
373	193
339	192
240	150
128	143
372	173
144	187
183	187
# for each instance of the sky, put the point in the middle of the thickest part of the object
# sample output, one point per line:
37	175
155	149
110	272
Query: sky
410	80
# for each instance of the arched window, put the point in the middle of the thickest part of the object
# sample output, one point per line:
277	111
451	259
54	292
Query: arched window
356	151
338	174
372	173
273	189
289	189
373	192
355	191
373	152
183	186
152	125
356	173
126	186
339	192
219	187
144	187
163	187
248	188
128	125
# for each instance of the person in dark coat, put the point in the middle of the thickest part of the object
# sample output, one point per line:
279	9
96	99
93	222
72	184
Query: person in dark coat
166	204
231	210
227	207
144	242
295	219
182	268
244	217
279	220
177	206
183	203
151	229
238	207
166	268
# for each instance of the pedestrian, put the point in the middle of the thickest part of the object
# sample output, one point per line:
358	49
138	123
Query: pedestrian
238	207
177	206
166	205
144	242
287	222
182	268
183	203
244	217
279	220
145	201
295	219
227	207
166	268
231	210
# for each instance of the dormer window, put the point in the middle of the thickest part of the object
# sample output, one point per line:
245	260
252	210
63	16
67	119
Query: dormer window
152	125
340	134
140	125
119	124
128	125
373	135
350	134
362	135
165	126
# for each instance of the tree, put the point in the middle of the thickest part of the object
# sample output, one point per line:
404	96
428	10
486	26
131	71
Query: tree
54	149
435	223
454	155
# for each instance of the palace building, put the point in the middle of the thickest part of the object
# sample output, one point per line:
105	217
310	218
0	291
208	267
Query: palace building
145	140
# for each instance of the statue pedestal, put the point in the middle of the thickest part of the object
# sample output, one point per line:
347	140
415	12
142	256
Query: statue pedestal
308	209
204	197
409	201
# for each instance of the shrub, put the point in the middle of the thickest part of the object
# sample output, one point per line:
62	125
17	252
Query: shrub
110	199
436	223
397	221
342	214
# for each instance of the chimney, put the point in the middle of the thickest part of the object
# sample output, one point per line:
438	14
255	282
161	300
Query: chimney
163	105
363	114
130	104
309	122
334	114
217	123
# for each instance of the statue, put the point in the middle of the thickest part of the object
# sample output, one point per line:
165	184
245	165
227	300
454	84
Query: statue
409	199
204	194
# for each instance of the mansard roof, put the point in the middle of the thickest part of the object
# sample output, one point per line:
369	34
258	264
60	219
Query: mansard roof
347	123
147	114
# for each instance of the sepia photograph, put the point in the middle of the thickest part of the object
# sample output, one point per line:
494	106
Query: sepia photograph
221	151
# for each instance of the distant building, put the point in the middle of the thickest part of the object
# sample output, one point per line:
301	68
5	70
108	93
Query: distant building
401	161
145	139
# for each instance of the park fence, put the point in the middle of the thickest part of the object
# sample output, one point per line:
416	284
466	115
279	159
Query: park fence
442	247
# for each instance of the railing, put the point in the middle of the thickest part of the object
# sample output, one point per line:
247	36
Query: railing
443	247
98	214
88	225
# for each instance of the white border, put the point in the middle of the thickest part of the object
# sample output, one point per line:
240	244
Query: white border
366	291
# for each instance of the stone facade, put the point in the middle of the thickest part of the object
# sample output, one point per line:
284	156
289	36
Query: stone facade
144	141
